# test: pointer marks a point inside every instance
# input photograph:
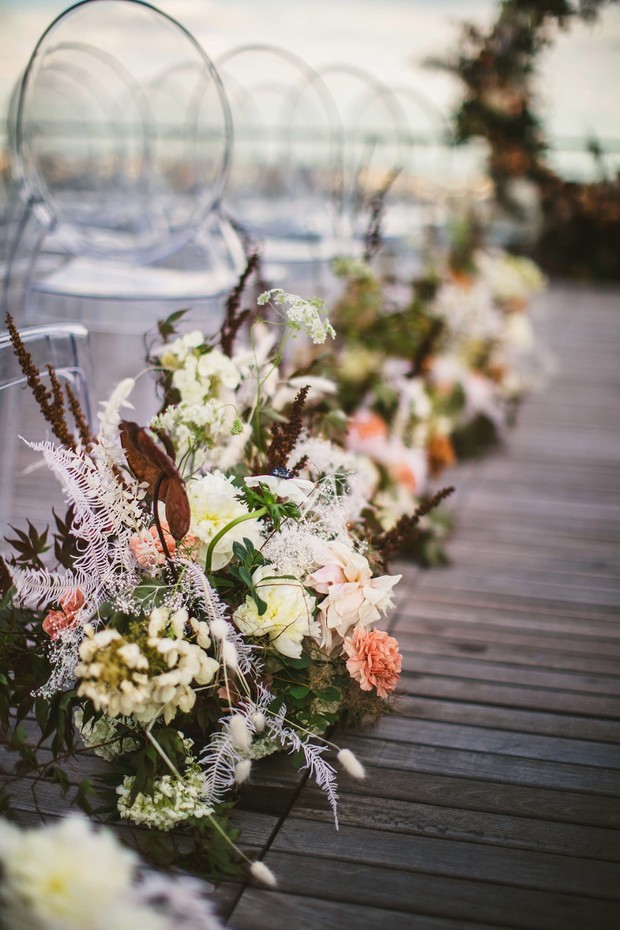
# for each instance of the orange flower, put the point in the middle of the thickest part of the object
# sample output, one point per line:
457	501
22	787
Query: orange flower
462	279
55	622
366	425
71	601
147	547
58	620
440	452
374	660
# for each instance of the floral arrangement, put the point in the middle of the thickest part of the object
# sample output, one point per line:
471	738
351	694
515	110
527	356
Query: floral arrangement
431	373
488	358
569	223
45	885
217	595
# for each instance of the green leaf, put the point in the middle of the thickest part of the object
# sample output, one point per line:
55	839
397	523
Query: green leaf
301	662
329	695
41	712
167	328
83	795
298	691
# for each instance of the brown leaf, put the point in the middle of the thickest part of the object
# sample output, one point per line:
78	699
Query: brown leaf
151	464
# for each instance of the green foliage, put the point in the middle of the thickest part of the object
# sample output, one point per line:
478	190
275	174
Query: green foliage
277	509
311	692
248	558
475	438
29	546
65	543
167	328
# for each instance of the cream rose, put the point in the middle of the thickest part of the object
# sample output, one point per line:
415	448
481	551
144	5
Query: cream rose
289	615
352	596
214	505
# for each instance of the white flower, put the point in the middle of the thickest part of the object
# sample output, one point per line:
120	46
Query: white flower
70	877
296	490
469	312
352	596
101	735
109	416
510	277
174	800
519	333
174	353
118	675
303	316
289	614
214	505
392	504
288	390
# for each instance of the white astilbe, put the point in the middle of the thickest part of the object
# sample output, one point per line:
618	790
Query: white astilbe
106	515
216	610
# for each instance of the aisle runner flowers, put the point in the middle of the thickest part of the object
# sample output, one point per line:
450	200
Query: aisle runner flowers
216	596
69	876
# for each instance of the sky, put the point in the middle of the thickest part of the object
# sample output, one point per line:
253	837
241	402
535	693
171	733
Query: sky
390	38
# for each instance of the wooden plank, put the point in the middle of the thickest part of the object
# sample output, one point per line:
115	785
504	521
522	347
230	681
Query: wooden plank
475	861
455	791
421	893
417	644
469	667
491	741
506	694
472	638
509	606
469	763
523	721
507	831
417	613
261	910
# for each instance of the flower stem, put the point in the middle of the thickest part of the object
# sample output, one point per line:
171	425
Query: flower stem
161	752
229	526
225	836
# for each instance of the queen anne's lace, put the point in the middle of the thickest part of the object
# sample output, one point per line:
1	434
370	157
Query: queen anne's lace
302	316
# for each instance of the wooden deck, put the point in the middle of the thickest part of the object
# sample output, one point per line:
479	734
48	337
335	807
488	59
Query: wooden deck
493	797
493	793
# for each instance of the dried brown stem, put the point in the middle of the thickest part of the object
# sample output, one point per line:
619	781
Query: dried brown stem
79	417
389	543
51	407
58	411
284	436
235	317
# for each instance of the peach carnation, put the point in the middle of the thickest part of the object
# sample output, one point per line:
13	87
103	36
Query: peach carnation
58	620
147	547
71	601
374	660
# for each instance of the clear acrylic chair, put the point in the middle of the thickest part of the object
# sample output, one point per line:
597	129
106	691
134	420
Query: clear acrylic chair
27	489
120	144
377	141
285	178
